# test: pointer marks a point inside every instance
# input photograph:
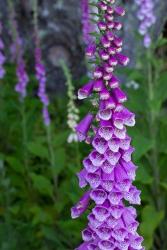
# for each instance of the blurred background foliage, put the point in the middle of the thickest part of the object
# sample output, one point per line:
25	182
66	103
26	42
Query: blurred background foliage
38	183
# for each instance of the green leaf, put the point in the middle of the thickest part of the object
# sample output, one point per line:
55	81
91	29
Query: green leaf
38	150
60	138
141	144
162	138
137	99
42	184
162	166
164	185
143	176
160	90
40	215
60	159
161	42
15	164
150	221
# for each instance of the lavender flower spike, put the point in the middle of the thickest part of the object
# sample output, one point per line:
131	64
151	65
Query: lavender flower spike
108	169
18	56
41	77
40	70
147	18
2	57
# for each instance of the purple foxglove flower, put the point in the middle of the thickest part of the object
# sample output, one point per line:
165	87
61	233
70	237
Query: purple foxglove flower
41	78
119	95
114	82
82	178
104	94
146	18
22	78
103	6
112	51
98	73
18	56
117	25
108	68
84	126
105	42
102	26
105	130
119	11
2	57
108	168
81	206
85	91
90	50
88	165
122	60
98	85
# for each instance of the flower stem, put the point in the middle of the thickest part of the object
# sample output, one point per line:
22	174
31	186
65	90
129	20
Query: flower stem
25	153
24	132
153	128
78	158
51	154
153	133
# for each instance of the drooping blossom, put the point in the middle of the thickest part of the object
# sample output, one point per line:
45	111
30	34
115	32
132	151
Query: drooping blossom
2	57
18	55
72	110
108	171
147	18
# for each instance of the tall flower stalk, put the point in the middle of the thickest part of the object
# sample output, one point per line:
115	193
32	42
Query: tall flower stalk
147	18
2	57
108	169
18	54
72	110
40	71
22	82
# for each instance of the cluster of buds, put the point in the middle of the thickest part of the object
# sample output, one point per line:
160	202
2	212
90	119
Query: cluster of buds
147	19
108	169
72	119
72	110
2	57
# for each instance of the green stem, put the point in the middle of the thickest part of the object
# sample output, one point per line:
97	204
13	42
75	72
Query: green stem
7	203
78	158
51	153
24	132
153	134
25	153
153	128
